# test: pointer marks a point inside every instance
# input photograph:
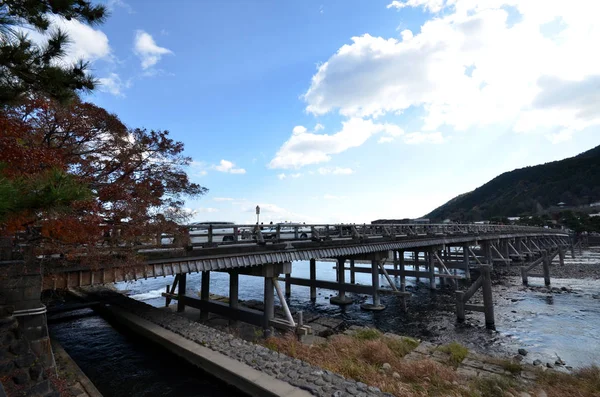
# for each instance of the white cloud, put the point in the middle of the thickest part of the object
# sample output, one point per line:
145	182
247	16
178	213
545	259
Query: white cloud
335	171
332	197
146	49
304	147
85	42
228	167
431	5
415	138
281	176
222	199
207	209
475	64
385	139
113	84
198	168
113	4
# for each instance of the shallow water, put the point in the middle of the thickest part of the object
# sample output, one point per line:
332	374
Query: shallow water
546	324
123	364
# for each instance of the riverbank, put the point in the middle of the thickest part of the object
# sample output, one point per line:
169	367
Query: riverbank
73	381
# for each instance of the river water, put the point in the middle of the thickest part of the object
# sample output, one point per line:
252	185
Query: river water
121	364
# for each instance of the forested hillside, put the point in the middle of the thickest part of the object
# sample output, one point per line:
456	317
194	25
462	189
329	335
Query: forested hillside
529	191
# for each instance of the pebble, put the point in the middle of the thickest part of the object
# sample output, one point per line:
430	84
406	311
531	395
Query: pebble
537	362
386	366
523	352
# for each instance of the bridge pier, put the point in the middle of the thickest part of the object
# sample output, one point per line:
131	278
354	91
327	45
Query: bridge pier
376	305
402	269
181	292
234	282
313	278
561	256
352	273
204	294
269	306
431	269
467	268
341	299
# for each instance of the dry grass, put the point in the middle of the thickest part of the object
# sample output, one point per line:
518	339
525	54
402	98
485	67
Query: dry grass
583	383
361	357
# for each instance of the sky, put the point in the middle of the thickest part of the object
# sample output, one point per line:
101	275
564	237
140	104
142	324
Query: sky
354	110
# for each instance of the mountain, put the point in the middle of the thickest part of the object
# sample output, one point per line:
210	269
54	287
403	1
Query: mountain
528	191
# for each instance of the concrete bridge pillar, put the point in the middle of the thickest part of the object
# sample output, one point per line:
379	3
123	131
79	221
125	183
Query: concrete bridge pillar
205	293
466	264
561	256
181	292
402	268
341	298
269	306
431	269
313	277
376	305
234	282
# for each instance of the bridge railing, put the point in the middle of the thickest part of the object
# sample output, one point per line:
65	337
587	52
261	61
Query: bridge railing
219	234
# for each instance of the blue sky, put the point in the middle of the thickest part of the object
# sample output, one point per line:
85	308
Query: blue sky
348	111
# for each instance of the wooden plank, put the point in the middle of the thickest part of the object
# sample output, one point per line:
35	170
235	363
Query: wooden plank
475	308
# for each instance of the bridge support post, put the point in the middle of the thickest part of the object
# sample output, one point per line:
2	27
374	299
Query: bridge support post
341	298
460	306
352	273
181	292
234	282
376	305
204	293
416	266
546	267
431	270
488	303
487	251
466	261
288	285
561	256
506	251
269	308
571	238
402	269
313	277
395	254
524	275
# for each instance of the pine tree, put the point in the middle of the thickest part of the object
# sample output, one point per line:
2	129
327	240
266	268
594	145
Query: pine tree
26	67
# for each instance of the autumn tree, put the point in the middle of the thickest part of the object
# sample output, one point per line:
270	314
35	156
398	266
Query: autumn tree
27	67
134	179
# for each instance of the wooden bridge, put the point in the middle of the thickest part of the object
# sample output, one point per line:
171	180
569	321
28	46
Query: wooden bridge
442	254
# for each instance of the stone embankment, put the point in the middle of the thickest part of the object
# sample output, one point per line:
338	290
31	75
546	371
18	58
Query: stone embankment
313	379
21	372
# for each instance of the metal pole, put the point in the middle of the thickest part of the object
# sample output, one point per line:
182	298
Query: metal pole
286	309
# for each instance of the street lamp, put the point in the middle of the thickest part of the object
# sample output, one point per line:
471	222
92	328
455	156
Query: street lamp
257	214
